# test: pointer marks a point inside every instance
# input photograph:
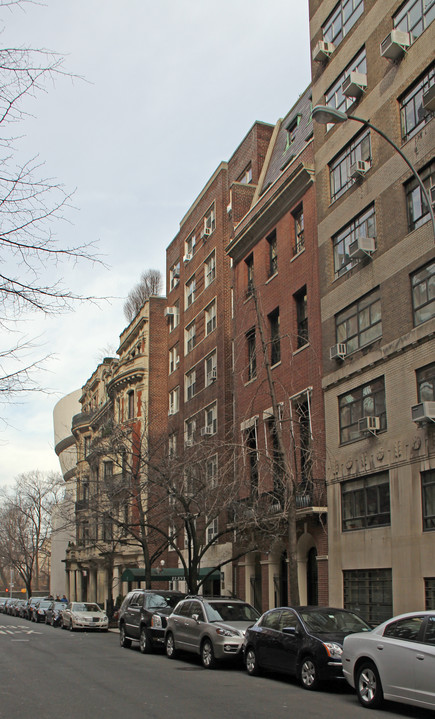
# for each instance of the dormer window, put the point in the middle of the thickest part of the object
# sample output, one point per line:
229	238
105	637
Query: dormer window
291	130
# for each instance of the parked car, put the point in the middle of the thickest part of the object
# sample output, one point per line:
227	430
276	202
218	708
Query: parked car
3	601
142	617
39	609
19	604
212	627
84	615
53	613
10	605
395	661
306	642
29	608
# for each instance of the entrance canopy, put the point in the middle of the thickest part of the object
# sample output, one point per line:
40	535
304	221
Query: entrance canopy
167	574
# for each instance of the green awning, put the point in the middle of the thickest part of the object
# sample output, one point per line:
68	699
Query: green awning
167	574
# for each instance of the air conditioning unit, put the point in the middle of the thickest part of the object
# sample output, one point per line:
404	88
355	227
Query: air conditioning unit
394	45
358	169
206	232
337	351
175	272
354	85
208	429
170	312
187	257
429	99
362	247
423	412
369	424
432	194
322	51
212	375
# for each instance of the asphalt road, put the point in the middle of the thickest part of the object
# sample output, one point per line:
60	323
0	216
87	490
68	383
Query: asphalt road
48	673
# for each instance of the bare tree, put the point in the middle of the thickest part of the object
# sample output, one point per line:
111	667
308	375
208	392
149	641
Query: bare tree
25	524
150	284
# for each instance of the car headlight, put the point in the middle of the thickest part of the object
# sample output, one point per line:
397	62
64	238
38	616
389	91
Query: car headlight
334	650
227	632
156	621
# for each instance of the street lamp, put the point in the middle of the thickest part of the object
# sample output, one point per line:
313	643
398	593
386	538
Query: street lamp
324	114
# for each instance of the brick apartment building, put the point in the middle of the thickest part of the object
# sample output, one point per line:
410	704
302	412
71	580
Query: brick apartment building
375	59
199	336
274	253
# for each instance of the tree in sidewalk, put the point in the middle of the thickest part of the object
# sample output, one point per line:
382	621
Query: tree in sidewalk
26	524
150	285
31	204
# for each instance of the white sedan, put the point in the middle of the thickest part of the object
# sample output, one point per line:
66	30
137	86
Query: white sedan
394	661
84	615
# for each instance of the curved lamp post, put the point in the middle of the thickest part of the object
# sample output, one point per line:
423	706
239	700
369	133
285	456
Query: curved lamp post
325	115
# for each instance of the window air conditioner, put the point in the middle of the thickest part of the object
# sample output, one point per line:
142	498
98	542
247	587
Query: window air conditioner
362	247
187	257
423	412
358	169
208	429
212	375
369	424
393	47
322	51
429	99
175	272
354	85
206	232
337	351
170	312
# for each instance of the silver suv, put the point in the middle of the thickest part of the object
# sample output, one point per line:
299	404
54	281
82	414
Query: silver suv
212	627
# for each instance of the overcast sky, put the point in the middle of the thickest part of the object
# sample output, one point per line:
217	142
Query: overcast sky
171	88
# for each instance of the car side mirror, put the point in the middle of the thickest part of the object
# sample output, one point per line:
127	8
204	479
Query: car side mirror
195	617
291	631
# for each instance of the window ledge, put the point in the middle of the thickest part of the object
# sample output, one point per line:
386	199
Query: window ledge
250	381
271	277
300	349
277	364
297	254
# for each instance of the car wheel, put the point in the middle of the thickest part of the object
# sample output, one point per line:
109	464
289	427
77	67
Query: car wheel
207	654
124	641
251	662
171	651
368	686
308	674
145	641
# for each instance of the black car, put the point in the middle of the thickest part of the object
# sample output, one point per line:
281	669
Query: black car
142	617
53	613
39	609
306	642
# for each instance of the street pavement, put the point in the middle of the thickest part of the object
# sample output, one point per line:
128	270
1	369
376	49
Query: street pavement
48	673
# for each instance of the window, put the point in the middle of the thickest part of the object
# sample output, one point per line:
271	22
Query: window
174	400
369	592
209	221
190	245
275	339
249	262
364	225
423	294
189	432
341	20
368	400
210	369
174	317
130	402
86	445
416	205
190	291
339	169
190	335
174	359
360	323
107	470
334	96
246	176
174	275
429	592
210	318
302	317
428	499
426	383
414	17
252	355
273	256
252	457
413	116
172	445
298	216
291	130
212	529
211	469
210	269
190	384
210	419
365	502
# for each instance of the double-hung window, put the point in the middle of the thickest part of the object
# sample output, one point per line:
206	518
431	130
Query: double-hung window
209	221
174	400
302	317
414	16
252	354
341	20
418	210
190	335
273	253
189	432
210	419
413	116
190	291
210	369
340	167
428	499
210	269
173	359
360	323
298	217
275	337
423	293
364	225
367	400
210	318
190	384
249	262
426	383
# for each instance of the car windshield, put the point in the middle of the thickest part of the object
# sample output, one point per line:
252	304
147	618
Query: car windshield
43	605
155	601
231	612
85	607
333	620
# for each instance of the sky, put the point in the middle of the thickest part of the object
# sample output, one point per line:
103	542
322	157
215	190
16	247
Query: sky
163	91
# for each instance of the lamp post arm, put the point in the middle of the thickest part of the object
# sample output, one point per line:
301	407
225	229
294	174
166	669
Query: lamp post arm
410	165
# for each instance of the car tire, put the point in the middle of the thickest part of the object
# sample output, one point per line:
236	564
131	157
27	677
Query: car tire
308	674
171	651
124	641
251	662
368	686
207	654
145	641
